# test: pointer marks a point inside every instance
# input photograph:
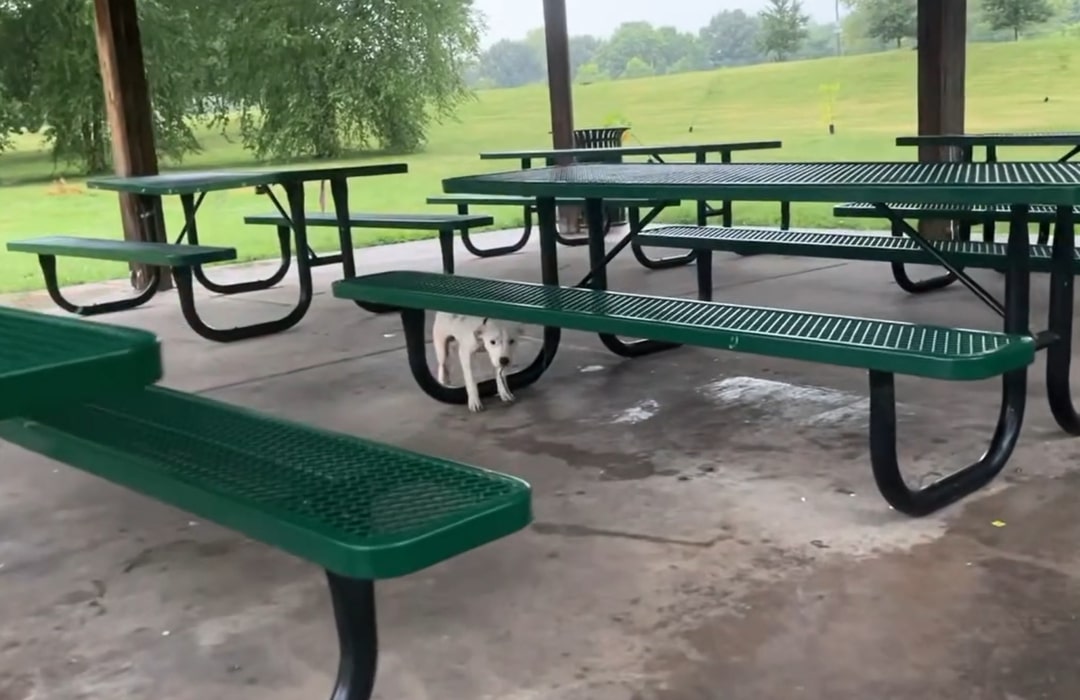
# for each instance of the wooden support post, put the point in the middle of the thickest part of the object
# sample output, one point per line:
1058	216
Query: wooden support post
127	103
560	94
942	39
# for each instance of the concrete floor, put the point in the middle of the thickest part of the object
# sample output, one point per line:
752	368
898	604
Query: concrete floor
706	524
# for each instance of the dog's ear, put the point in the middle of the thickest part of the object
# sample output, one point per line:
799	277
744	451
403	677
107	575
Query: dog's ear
484	322
478	335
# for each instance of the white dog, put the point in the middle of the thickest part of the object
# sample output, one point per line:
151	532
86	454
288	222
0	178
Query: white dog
473	335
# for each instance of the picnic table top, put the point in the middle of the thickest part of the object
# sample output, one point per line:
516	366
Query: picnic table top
48	359
1034	138
663	149
197	181
908	183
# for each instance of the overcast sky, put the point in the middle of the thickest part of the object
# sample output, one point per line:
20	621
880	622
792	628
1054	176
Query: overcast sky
510	19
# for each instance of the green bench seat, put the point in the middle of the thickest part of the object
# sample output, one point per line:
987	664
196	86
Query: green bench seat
885	346
352	506
361	510
1038	213
1041	214
444	224
138	252
843	246
183	260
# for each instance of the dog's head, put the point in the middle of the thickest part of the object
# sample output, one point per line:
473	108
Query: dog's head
499	339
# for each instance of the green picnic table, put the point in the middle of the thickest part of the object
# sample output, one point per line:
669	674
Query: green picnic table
991	141
654	154
79	393
966	215
185	257
45	360
883	348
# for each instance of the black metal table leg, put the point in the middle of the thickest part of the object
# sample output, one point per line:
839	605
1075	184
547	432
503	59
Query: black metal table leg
185	289
358	638
1060	323
52	284
191	229
883	457
339	193
594	215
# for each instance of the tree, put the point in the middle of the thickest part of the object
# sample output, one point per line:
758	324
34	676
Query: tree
318	77
583	50
783	28
630	40
637	67
732	38
1016	14
512	63
49	68
890	20
677	52
8	119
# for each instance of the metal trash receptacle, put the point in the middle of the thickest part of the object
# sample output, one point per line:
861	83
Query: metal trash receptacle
603	137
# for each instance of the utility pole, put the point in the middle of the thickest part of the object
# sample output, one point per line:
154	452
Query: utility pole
839	32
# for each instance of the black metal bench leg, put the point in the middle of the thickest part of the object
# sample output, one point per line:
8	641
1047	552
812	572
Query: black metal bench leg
1044	233
922	286
704	275
358	639
52	284
1059	352
667	263
463	210
185	289
949	489
594	215
187	201
578	242
926	500
446	248
414	322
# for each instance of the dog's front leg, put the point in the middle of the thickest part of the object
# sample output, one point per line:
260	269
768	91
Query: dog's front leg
465	355
504	388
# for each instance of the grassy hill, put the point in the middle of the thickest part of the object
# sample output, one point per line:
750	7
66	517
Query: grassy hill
1007	89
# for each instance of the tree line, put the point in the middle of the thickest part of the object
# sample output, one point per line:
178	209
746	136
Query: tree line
310	79
781	31
320	78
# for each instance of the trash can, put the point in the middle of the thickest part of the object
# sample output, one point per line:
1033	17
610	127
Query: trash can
604	137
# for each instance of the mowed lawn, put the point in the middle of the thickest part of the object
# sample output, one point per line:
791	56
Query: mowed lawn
1007	89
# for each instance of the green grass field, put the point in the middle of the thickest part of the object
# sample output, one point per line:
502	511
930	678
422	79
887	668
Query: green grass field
1007	84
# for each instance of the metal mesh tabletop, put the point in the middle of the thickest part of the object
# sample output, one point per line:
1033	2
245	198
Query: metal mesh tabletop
46	360
664	149
961	183
193	182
